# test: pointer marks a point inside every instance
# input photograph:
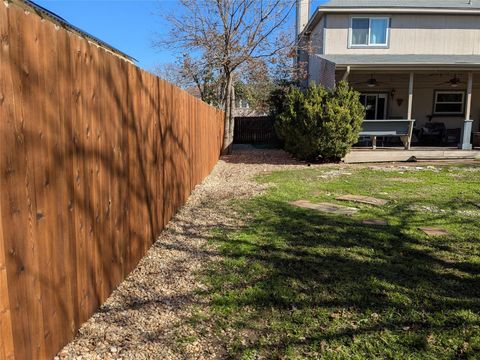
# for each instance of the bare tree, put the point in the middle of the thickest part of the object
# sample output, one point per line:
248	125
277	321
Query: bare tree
193	74
226	34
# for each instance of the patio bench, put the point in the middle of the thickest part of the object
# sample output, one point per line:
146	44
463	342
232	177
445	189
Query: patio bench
395	127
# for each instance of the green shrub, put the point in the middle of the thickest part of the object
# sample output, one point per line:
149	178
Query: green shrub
318	124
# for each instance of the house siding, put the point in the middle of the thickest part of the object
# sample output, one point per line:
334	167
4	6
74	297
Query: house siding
409	34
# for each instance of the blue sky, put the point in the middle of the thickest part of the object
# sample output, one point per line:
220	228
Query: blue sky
129	25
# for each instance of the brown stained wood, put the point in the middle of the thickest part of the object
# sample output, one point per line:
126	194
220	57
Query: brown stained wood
7	114
20	216
6	335
96	156
65	202
79	152
49	180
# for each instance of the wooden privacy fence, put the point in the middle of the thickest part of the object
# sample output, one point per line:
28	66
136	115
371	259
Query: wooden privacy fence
96	156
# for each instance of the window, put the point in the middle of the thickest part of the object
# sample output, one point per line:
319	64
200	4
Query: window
375	106
369	31
449	102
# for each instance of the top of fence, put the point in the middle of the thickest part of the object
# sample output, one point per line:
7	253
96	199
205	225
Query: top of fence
58	20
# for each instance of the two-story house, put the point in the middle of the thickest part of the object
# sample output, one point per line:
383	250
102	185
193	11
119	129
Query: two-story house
415	62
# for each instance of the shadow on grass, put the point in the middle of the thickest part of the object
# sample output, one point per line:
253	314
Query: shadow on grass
305	282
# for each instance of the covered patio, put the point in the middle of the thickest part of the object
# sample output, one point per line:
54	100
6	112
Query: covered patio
427	103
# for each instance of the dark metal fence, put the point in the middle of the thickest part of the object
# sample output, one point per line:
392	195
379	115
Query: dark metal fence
255	130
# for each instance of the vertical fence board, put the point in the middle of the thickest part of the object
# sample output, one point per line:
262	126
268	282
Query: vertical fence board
66	199
7	114
18	202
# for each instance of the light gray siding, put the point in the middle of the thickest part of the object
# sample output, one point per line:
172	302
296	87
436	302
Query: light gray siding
410	34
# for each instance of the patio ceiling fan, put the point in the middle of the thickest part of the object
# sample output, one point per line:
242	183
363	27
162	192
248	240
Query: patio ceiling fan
453	82
371	83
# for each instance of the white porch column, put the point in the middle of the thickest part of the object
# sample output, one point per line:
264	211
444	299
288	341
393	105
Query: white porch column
346	74
409	111
466	143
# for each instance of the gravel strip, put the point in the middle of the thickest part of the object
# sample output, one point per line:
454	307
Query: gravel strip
146	317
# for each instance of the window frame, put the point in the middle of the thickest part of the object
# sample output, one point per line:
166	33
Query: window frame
443	113
369	46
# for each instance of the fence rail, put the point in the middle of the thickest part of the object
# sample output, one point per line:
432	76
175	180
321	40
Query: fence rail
96	156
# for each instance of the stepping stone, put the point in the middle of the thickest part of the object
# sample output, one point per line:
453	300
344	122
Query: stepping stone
375	222
434	231
363	199
325	207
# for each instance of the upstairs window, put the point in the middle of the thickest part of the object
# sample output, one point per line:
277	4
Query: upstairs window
369	31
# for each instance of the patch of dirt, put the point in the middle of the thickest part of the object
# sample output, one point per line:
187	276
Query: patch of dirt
402	180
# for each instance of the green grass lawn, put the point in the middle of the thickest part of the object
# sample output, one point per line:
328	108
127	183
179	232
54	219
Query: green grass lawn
296	283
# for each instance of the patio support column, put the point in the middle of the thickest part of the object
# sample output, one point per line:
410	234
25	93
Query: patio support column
409	111
346	74
466	143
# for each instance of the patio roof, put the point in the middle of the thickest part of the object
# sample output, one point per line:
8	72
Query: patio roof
405	61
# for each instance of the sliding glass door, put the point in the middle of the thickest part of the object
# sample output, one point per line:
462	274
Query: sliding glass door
375	106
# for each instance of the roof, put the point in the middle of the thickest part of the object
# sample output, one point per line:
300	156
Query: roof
425	4
44	13
365	61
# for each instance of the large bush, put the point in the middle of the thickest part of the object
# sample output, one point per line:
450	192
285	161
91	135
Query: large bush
318	124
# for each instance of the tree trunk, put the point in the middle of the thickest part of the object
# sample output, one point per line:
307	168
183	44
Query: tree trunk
229	119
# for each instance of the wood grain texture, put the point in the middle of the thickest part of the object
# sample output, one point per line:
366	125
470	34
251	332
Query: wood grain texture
6	112
96	156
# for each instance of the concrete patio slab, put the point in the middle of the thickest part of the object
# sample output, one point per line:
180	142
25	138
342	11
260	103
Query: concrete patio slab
325	207
430	231
363	199
367	155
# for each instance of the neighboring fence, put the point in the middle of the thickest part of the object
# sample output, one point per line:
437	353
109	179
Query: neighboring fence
96	156
254	130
